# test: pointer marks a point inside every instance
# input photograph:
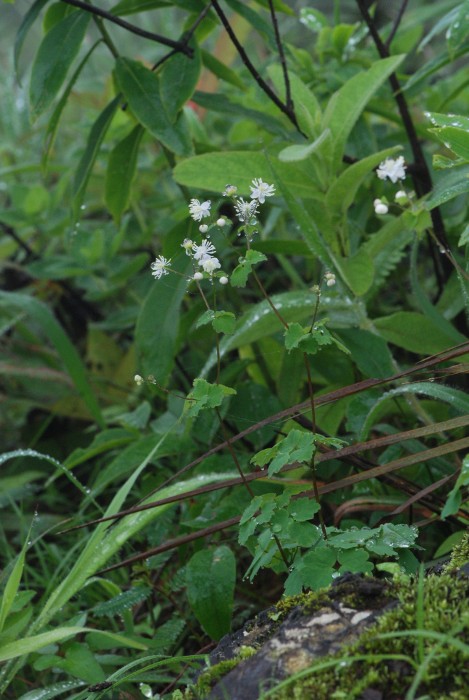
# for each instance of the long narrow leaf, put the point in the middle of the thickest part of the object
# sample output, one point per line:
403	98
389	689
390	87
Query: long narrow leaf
57	336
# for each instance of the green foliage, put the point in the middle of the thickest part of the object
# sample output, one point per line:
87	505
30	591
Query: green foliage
210	579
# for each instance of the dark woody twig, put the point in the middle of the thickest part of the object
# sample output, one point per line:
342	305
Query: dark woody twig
396	24
283	62
422	181
186	38
252	69
177	45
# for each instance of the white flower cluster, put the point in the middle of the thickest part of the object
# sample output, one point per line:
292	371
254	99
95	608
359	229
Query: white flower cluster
394	170
330	279
203	255
246	211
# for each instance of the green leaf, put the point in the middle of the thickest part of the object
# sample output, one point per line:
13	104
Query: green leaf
57	336
307	109
369	351
240	274
293	334
358	271
342	192
53	124
178	80
260	321
210	579
454	500
451	185
222	321
355	561
206	395
221	70
313	571
21	647
302	151
303	509
455	139
141	88
298	446
158	323
212	171
413	331
81	662
347	104
28	21
51	691
54	57
85	166
458	400
12	585
122	601
121	171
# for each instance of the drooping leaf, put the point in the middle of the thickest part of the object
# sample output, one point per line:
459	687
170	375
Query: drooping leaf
413	331
347	104
28	21
178	80
141	88
210	579
158	323
54	57
121	171
87	161
53	124
57	336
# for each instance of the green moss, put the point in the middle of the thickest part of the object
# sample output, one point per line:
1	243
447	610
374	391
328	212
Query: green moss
310	602
460	555
211	676
445	611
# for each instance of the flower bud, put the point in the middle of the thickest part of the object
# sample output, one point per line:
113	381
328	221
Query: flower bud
203	228
198	276
223	280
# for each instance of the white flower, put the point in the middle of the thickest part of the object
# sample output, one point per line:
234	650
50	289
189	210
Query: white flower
203	228
330	279
260	190
160	266
221	222
380	207
198	276
187	244
401	197
204	250
223	280
138	380
391	168
229	190
210	265
245	210
199	210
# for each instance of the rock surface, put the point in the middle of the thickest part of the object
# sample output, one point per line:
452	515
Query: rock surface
314	627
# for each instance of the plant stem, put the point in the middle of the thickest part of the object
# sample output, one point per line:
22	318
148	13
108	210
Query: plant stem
252	69
288	98
178	45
